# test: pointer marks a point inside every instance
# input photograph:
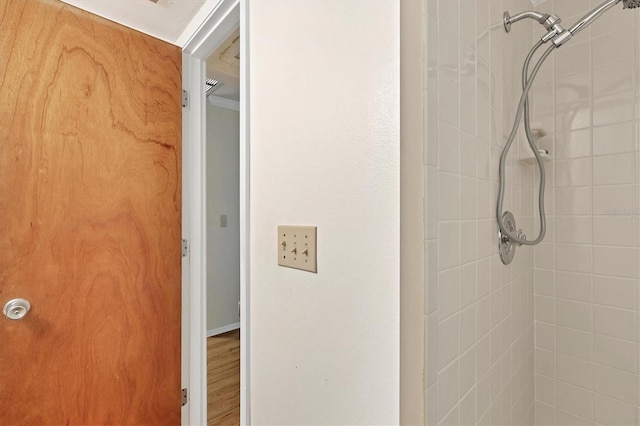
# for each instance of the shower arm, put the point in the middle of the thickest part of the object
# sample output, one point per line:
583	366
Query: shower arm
507	20
550	22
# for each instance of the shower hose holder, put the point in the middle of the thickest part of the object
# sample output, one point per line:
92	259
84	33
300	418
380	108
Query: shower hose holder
507	247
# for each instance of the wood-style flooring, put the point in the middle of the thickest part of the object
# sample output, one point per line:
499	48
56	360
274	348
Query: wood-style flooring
223	379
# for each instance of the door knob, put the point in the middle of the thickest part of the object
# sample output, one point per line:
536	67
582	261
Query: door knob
16	309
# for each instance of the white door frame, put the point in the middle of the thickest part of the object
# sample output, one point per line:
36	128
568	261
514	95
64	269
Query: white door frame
220	23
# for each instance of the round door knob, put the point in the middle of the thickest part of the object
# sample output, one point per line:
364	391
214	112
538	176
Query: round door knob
16	309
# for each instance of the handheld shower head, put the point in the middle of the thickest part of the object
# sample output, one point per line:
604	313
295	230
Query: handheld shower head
598	11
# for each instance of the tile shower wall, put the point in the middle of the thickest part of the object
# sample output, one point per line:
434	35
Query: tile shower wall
479	355
586	272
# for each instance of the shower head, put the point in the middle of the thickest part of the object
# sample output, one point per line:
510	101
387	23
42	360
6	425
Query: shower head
598	11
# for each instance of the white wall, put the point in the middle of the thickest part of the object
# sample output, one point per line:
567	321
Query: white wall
324	107
479	313
223	244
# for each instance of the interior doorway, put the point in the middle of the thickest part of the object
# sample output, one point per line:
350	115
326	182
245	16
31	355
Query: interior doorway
223	232
221	23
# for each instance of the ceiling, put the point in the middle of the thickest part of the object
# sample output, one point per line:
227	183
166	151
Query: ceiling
224	63
173	21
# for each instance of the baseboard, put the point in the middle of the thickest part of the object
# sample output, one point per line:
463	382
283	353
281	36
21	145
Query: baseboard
224	102
223	329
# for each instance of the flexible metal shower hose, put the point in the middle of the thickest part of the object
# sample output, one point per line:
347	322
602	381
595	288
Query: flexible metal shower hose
523	106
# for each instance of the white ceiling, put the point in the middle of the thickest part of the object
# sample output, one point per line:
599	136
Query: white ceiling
173	21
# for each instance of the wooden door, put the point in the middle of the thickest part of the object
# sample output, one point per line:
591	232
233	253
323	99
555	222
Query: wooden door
90	208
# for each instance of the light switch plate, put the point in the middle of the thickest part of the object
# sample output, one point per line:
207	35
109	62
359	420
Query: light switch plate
297	247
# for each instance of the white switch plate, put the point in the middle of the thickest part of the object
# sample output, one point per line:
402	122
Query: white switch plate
297	247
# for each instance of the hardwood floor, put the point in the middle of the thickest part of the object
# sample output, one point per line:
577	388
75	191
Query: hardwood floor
223	379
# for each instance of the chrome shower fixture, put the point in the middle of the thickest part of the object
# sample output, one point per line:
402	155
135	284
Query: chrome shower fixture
509	237
555	32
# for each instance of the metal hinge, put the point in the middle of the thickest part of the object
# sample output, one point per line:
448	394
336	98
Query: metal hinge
185	247
185	98
185	395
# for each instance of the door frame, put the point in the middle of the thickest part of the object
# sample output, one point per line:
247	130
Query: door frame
221	22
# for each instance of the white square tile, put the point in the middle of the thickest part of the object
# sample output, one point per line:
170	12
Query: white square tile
575	371
448	292
615	353
573	87
545	414
468	409
613	78
448	389
613	139
467	285
483	356
545	389
573	257
431	349
615	199
613	230
564	418
545	309
431	202
448	148
467	328
574	286
614	169
448	245
615	383
609	411
614	322
448	196
613	109
607	51
431	275
614	261
483	277
545	282
573	172
577	115
545	363
575	343
468	156
467	198
467	371
448	99
447	341
612	291
573	201
574	314
431	405
575	400
573	144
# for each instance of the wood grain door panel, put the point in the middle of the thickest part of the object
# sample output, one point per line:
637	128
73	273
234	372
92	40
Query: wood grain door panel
90	211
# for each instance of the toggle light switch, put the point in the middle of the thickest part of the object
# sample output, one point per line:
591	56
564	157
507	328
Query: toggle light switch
297	247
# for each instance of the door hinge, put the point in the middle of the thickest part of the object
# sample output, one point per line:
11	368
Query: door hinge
185	98
185	396
185	247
